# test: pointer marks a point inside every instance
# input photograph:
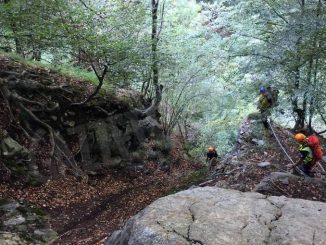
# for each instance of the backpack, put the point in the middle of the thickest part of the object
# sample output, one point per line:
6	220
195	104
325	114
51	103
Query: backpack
313	143
273	94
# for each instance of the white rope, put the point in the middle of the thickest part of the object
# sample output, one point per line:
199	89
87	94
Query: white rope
279	142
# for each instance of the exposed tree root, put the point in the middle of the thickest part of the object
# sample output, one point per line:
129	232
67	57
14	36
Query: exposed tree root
58	146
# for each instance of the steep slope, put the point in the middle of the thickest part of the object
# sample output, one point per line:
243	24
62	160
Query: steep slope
46	128
89	166
213	216
258	155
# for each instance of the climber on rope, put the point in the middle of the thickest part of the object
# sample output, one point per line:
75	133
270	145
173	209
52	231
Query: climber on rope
211	158
265	103
310	152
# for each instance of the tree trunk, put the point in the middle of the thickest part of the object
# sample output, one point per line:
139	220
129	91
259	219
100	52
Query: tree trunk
18	43
155	67
313	68
299	112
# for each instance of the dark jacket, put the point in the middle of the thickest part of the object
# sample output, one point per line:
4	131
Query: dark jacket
211	155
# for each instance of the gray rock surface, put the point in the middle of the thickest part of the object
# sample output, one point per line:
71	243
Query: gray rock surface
213	216
266	184
7	238
114	141
263	164
20	222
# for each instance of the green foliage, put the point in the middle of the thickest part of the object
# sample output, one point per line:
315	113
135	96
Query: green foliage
64	69
106	33
213	56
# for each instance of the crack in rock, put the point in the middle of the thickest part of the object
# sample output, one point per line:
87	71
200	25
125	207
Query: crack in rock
244	226
193	218
277	216
191	241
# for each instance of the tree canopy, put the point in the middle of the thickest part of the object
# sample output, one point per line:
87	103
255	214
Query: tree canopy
201	62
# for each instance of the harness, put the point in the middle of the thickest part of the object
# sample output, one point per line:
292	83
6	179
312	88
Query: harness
306	153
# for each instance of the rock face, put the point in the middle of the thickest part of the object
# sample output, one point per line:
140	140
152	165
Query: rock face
113	141
213	216
18	159
22	224
85	138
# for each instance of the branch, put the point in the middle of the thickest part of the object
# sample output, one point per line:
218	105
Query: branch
101	15
162	18
99	86
260	55
277	13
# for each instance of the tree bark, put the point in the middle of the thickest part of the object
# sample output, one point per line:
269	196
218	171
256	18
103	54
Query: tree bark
155	66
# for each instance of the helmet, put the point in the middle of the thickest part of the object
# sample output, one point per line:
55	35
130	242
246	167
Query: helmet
262	90
300	137
210	149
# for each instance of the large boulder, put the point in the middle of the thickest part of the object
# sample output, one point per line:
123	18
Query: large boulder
213	216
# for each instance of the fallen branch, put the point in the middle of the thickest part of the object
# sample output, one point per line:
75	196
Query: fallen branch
279	188
206	182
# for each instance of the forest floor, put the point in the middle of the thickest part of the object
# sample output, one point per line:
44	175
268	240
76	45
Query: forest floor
84	213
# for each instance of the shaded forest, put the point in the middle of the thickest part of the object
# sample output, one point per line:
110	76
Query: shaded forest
111	103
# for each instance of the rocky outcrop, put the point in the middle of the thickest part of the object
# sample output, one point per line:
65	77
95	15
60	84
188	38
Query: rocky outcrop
52	129
213	216
23	224
266	185
114	141
18	159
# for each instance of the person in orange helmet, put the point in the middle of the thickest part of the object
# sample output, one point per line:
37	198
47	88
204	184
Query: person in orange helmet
211	158
306	153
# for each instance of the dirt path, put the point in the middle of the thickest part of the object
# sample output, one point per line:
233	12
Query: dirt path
85	214
98	218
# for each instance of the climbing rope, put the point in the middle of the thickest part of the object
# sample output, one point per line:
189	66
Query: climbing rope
279	142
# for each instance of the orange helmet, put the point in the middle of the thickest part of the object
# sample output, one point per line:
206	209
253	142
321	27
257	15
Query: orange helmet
210	149
300	137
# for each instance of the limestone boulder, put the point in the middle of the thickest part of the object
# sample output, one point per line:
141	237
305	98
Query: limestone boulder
213	216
